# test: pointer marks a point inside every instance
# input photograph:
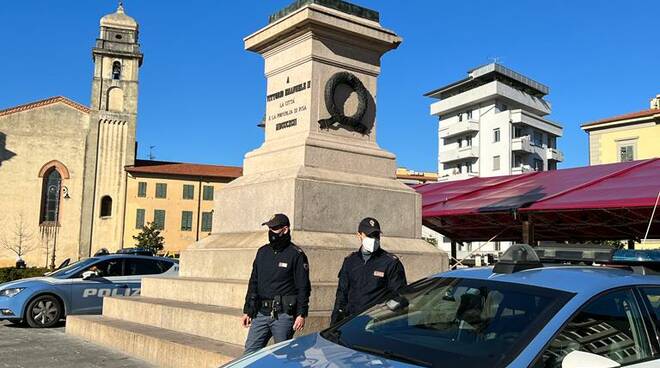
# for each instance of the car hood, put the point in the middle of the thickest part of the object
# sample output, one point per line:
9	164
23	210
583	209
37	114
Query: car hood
313	351
29	282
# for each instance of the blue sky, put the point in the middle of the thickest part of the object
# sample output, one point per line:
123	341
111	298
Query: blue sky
201	94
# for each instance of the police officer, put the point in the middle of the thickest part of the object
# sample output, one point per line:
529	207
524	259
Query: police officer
277	299
368	275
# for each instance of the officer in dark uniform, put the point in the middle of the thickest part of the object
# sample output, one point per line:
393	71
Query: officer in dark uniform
368	275
277	299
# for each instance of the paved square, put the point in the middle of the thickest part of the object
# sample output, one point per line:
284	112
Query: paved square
28	347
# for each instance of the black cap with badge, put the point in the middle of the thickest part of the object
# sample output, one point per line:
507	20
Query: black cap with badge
369	226
277	221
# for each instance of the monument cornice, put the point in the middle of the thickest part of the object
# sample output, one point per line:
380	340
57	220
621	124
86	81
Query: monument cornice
314	17
323	60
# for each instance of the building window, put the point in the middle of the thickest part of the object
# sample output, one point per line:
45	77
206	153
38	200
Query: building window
460	142
496	135
161	190
517	160
538	165
106	206
208	193
468	167
142	189
50	196
626	153
460	117
188	191
496	162
498	246
552	165
159	219
518	132
552	141
139	218
469	114
116	70
186	220
458	169
504	107
207	221
538	138
468	141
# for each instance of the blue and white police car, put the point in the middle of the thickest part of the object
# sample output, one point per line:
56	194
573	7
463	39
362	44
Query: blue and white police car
522	313
78	288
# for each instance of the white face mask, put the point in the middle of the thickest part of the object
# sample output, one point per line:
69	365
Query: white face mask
369	244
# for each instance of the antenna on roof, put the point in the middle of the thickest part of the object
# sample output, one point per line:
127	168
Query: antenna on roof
151	153
495	59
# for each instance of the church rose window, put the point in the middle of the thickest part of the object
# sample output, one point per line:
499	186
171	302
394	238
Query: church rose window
50	196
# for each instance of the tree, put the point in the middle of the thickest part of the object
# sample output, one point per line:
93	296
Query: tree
149	238
18	238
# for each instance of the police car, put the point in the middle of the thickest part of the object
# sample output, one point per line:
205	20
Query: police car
522	313
78	288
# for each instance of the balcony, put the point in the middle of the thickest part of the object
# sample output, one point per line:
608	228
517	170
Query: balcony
521	169
458	128
522	144
525	117
459	154
554	154
461	176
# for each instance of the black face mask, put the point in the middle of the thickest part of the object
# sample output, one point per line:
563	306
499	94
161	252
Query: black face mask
279	241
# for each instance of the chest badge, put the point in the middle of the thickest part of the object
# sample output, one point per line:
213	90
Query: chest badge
283	264
379	273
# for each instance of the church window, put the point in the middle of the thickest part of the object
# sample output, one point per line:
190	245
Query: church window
116	70
115	99
106	206
50	196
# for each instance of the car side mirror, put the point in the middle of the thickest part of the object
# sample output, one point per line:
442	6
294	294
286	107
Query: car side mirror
87	275
582	359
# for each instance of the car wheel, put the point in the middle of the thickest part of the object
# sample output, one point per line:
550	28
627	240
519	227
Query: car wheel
43	311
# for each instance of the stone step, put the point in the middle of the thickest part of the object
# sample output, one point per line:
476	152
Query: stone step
324	263
158	346
214	322
222	292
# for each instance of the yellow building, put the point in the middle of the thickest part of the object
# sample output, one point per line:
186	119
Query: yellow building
415	177
629	137
177	196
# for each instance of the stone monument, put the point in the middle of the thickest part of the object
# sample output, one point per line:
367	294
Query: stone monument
319	163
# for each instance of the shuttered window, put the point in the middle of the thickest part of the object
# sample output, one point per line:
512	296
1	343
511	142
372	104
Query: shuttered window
207	221
159	219
139	218
208	193
186	220
142	189
188	191
161	190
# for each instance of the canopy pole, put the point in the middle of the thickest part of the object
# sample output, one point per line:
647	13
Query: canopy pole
651	220
453	253
528	232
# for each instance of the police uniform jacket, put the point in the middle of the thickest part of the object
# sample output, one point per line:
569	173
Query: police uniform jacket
364	283
280	271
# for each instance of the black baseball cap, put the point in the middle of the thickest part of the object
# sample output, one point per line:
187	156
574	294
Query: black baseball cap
277	221
369	226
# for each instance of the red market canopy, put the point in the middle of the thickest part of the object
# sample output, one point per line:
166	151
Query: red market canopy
602	202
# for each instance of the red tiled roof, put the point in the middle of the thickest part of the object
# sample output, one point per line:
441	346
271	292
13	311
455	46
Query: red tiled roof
41	103
184	169
632	115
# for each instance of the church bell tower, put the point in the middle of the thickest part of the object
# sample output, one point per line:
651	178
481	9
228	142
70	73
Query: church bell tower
111	142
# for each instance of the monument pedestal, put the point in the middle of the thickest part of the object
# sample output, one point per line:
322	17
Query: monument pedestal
319	164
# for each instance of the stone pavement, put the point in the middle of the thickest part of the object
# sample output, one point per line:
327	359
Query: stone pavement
40	348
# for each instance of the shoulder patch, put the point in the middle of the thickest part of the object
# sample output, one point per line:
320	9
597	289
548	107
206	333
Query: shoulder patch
392	256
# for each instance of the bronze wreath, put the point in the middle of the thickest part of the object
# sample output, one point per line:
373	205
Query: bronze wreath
336	114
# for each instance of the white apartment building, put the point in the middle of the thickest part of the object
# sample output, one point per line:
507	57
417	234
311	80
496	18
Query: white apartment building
493	123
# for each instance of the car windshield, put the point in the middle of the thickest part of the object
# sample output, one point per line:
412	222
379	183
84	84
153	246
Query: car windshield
452	322
72	268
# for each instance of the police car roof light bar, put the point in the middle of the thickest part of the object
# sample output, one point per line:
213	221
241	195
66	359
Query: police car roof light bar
518	257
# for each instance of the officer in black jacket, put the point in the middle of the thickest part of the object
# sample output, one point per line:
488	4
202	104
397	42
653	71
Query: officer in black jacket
368	275
277	299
